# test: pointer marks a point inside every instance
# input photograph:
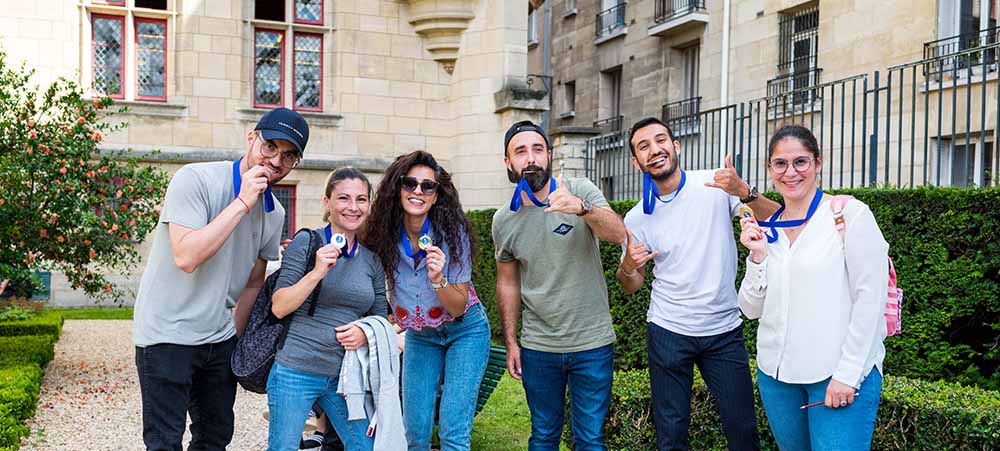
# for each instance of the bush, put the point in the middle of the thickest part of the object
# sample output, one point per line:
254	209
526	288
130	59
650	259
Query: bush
46	323
946	247
19	387
913	415
26	349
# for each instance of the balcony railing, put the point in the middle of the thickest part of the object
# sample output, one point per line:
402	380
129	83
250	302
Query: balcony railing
951	56
670	9
682	116
611	20
610	125
793	92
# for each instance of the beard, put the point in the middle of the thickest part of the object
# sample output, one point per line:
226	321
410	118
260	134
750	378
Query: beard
669	171
536	176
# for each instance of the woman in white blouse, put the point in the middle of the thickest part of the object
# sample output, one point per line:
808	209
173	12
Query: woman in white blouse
821	300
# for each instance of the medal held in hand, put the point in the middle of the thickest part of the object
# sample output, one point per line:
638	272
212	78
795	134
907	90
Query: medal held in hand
745	212
339	240
424	242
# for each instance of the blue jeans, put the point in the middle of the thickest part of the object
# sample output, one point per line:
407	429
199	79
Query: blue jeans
455	353
588	374
290	395
723	362
819	428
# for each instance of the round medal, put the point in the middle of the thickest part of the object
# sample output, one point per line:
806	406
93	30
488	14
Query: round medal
339	240
424	242
745	212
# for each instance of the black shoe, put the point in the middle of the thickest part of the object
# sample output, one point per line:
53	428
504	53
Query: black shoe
313	442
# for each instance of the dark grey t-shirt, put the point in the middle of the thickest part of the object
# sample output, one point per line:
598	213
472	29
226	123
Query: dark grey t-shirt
353	289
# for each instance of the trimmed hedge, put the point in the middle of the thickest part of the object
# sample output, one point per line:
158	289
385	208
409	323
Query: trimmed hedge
945	243
44	323
19	387
26	349
913	415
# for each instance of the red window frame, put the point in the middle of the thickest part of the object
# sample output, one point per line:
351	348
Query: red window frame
281	83
294	51
290	211
322	13
166	59
93	76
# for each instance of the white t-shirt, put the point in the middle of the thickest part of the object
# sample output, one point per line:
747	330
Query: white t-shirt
694	285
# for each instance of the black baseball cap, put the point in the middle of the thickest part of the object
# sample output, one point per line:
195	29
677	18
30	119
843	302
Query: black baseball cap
282	123
524	126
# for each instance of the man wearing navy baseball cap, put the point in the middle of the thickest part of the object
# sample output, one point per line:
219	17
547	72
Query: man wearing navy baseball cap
219	226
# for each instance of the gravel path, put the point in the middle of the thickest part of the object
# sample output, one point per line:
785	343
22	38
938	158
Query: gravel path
90	396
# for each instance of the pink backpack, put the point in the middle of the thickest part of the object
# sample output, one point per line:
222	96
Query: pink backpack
894	294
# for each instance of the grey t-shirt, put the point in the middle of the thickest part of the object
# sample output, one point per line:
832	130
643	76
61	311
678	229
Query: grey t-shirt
353	289
176	307
563	293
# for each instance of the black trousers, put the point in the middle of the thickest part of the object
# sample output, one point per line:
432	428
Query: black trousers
723	363
177	380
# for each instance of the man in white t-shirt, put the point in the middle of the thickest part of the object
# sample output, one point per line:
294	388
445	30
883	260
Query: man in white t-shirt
684	225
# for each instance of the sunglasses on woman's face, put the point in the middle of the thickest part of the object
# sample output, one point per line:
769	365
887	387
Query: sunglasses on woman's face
410	185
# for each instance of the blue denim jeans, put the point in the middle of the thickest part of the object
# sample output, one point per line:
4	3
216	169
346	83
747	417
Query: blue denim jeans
545	376
290	395
819	428
452	357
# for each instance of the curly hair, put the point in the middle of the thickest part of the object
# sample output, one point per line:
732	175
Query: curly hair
446	215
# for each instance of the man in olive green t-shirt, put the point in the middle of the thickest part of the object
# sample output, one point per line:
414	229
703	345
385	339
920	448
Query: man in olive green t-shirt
549	263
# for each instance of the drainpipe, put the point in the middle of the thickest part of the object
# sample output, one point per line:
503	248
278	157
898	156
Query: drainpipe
724	88
546	37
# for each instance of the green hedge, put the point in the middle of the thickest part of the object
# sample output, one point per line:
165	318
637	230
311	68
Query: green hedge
19	385
913	415
26	349
946	247
44	323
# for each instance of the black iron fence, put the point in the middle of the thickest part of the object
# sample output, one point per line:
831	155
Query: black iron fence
943	51
903	127
611	20
665	10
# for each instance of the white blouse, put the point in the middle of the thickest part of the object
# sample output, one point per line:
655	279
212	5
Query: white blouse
821	301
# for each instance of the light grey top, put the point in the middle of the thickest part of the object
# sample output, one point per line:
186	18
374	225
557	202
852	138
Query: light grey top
176	307
563	293
353	289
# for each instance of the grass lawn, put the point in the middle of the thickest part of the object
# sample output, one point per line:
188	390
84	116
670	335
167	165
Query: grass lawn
95	313
504	424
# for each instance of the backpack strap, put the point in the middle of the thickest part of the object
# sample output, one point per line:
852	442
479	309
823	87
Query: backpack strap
315	242
837	205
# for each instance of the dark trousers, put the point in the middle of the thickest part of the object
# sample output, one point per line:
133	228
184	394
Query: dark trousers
724	366
177	380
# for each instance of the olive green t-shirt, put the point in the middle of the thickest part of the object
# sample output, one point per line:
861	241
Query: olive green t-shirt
564	297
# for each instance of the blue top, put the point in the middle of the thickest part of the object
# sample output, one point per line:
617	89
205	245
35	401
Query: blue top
415	305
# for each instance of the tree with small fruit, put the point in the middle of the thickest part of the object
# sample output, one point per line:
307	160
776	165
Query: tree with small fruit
65	204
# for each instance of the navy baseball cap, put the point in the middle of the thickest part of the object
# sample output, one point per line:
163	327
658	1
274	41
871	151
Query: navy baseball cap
282	123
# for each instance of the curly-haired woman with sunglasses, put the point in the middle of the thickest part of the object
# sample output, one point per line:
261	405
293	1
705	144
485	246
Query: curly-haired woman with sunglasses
422	236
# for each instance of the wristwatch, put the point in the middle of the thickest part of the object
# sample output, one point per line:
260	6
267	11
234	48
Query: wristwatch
752	196
586	206
438	286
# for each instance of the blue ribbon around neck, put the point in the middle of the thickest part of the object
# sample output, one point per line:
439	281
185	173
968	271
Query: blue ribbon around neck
516	200
774	224
344	252
420	253
650	193
238	181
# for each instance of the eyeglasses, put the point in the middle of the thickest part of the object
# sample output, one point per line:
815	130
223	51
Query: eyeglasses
801	164
289	159
410	184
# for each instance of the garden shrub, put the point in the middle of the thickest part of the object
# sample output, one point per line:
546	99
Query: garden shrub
26	349
45	323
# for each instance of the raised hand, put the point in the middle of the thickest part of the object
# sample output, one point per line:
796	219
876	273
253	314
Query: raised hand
636	254
563	201
435	263
752	237
326	258
728	180
254	182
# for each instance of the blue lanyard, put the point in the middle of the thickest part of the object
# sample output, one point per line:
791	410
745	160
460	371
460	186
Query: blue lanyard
237	182
516	200
774	224
650	192
406	240
343	251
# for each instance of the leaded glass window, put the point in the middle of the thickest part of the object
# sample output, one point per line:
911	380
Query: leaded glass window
150	58
107	53
268	60
309	11
308	71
